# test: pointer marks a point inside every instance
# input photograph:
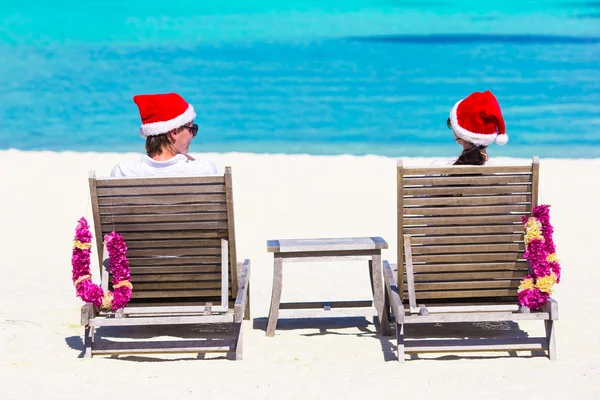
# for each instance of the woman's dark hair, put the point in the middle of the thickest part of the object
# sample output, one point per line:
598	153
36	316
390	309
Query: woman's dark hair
472	156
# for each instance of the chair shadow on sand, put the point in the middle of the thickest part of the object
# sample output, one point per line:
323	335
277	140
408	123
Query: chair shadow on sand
366	328
162	332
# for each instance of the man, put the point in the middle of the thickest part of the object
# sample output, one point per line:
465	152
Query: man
168	127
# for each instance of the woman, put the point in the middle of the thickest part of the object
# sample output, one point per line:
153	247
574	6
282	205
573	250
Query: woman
477	122
168	127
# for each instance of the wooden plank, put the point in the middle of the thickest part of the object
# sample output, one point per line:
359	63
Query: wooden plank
143	262
473	220
175	235
466	190
148	181
161	190
469	210
474	317
454	276
144	294
154	218
474	345
464	267
467	201
163	320
325	244
468	248
463	258
459	294
461	285
321	304
410	281
153	244
467	180
231	230
536	180
463	230
96	215
224	273
144	310
181	252
400	222
161	200
174	269
163	209
473	308
468	170
166	226
469	239
139	279
160	347
154	285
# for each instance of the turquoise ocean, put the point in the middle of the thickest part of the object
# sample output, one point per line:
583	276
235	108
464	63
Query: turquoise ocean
301	76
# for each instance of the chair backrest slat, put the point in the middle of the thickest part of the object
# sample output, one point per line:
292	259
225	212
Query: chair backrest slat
173	229
466	230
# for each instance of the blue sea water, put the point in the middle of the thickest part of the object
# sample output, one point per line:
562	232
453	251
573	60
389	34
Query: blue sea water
301	76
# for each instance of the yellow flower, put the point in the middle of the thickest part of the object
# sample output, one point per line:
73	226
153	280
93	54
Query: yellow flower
533	230
107	301
81	278
81	245
123	283
526	284
545	283
552	258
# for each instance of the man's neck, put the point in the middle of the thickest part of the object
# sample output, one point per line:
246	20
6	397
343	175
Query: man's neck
164	156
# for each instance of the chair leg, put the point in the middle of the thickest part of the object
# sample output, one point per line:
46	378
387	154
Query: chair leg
275	296
247	308
551	337
88	338
386	316
400	342
239	346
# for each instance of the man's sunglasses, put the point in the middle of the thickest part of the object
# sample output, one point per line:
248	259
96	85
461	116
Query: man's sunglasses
193	129
449	123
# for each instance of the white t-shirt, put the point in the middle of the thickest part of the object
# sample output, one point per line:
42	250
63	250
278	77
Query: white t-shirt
446	162
179	165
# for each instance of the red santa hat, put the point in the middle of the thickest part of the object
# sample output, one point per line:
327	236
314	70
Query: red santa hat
478	120
161	113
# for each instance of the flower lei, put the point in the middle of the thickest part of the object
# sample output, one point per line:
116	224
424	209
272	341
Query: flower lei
536	288
87	290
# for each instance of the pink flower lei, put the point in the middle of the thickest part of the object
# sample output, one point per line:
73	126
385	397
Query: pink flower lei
536	288
87	290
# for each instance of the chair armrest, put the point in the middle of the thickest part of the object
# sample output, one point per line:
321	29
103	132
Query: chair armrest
551	307
88	312
410	276
392	289
242	294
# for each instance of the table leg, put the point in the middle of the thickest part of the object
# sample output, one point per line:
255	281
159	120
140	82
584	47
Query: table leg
275	295
376	277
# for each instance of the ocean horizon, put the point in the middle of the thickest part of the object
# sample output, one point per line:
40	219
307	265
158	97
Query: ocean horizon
317	77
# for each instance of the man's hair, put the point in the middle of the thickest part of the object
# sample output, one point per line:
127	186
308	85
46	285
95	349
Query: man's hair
155	144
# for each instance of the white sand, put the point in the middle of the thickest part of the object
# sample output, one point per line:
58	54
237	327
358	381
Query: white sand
276	196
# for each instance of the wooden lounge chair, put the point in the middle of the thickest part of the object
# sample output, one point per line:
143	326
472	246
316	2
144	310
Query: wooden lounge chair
460	252
180	237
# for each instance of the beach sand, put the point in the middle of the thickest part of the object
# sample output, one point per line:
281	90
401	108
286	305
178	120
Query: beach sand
280	196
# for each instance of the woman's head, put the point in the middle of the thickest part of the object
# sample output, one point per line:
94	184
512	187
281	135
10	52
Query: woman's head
478	120
167	123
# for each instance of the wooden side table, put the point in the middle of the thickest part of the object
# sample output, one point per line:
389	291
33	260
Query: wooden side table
330	249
